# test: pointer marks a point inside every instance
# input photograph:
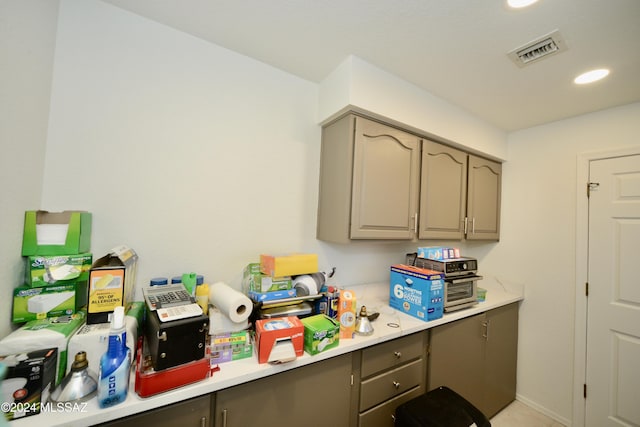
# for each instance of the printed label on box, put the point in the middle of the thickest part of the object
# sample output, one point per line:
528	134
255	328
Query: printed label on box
105	290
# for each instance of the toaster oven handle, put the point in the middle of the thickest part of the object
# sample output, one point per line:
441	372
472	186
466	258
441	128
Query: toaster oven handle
456	280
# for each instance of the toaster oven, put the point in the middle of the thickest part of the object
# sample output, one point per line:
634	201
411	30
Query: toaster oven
460	292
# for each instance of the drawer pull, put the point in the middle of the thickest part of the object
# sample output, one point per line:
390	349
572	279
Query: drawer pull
397	354
396	384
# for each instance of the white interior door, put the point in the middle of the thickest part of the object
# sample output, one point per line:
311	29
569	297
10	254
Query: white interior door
613	307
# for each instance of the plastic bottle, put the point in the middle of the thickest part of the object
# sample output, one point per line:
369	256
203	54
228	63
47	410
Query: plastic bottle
115	364
202	297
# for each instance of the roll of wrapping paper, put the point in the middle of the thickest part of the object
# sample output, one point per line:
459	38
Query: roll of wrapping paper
232	303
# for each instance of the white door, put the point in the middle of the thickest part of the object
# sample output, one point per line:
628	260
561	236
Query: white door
613	307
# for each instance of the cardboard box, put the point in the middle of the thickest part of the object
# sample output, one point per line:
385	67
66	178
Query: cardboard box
50	301
30	380
416	291
272	296
288	265
347	313
230	346
255	281
45	270
93	339
439	253
283	336
56	233
45	333
111	283
320	333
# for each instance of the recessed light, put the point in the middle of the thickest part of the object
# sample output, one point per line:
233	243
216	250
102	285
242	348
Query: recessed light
591	76
517	4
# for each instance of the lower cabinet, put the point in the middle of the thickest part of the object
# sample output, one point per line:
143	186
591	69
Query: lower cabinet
476	357
313	395
389	374
194	412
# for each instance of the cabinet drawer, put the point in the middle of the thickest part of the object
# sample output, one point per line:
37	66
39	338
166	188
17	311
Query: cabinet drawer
390	384
383	414
391	354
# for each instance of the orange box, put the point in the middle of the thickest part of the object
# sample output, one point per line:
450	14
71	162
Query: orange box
347	314
288	265
272	331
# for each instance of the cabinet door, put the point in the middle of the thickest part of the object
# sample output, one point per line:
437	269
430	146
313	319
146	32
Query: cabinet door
386	171
456	358
443	192
313	395
501	355
190	413
483	199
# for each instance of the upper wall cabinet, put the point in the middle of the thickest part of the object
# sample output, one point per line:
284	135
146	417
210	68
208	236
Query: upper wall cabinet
483	199
460	195
369	182
380	183
443	201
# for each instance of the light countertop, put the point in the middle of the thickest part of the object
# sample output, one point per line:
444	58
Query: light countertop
389	325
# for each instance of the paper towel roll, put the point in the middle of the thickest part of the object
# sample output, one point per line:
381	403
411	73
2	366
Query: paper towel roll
234	304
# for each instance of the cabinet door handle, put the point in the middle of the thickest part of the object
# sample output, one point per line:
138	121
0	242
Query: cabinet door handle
473	225
397	354
465	224
203	422
396	384
415	222
224	418
485	325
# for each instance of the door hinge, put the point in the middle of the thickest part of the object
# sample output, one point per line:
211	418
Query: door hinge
586	289
591	186
584	391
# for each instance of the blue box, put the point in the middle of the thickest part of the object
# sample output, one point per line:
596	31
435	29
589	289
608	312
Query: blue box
439	253
272	295
417	292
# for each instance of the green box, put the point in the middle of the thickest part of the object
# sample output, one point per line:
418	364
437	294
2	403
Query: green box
56	233
320	333
255	281
50	301
46	270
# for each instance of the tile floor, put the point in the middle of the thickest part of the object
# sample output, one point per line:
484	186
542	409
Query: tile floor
518	414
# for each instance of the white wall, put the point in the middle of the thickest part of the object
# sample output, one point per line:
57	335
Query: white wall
538	243
195	156
27	42
357	85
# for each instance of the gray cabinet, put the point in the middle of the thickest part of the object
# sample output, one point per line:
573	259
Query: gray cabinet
483	199
443	200
378	182
313	395
194	412
459	195
389	374
476	357
369	182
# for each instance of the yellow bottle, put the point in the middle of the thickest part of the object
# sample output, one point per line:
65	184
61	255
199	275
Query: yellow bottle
202	297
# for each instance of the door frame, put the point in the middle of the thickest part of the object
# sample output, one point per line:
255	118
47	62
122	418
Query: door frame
581	274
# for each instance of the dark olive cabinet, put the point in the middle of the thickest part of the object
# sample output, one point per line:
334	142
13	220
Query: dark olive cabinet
194	412
476	357
313	395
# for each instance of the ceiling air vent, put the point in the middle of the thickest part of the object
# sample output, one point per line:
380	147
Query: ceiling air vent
535	50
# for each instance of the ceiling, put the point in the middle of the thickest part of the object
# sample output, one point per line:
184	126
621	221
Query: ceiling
454	49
